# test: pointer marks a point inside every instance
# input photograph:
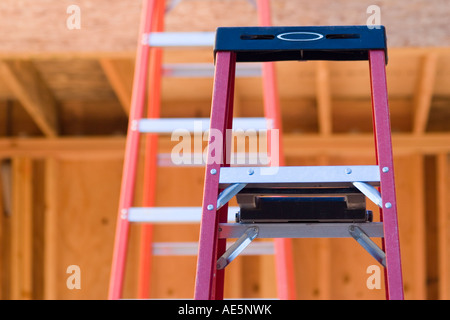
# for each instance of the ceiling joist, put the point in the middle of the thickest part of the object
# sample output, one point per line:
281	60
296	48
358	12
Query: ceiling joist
32	92
424	92
120	75
296	145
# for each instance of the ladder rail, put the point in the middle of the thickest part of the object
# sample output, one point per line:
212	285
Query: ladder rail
148	59
221	115
131	156
383	146
150	156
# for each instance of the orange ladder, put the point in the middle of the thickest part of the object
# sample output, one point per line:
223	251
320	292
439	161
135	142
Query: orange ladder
148	73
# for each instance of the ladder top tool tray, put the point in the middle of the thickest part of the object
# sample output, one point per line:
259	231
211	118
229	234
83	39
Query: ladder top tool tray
259	44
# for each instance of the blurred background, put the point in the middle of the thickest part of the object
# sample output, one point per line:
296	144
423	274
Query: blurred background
66	77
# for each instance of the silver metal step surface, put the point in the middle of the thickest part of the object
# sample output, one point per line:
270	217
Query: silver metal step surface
300	230
180	39
169	125
171	214
307	176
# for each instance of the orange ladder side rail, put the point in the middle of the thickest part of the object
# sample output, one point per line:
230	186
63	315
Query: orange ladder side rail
131	154
151	157
284	262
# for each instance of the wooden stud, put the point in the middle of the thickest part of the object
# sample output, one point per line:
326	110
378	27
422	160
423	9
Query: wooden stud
21	235
413	218
443	220
51	227
323	98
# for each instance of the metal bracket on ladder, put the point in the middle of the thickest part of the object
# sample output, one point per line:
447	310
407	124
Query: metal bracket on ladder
363	239
370	192
249	235
297	231
229	193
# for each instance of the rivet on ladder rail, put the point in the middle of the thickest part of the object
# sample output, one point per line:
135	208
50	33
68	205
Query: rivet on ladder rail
134	125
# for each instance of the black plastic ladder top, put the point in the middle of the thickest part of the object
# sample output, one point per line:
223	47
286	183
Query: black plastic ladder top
259	44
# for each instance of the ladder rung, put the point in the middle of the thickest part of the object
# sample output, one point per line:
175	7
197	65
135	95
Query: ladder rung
206	70
180	39
299	176
191	248
300	230
169	125
171	214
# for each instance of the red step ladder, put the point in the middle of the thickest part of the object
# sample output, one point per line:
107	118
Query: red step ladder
147	81
294	202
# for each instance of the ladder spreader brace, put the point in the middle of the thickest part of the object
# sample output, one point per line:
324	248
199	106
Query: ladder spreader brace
307	191
251	233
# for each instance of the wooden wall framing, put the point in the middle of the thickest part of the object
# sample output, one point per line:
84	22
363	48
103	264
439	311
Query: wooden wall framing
64	210
59	194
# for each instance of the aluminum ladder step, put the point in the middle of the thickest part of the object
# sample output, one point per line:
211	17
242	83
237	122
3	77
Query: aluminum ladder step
179	39
305	176
206	70
300	230
169	125
171	214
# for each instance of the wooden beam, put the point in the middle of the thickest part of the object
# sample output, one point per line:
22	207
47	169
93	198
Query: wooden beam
21	226
102	147
28	87
296	145
338	144
412	170
424	92
120	74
